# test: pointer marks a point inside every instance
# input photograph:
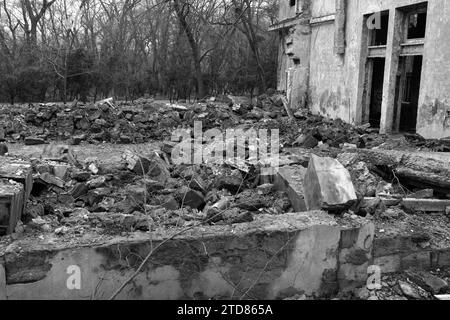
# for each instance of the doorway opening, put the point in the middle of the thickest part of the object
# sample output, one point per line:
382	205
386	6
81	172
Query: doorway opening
376	95
408	88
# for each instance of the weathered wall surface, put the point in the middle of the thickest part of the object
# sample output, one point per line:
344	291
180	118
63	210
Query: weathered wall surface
320	8
299	73
333	80
398	253
434	101
293	77
273	257
286	11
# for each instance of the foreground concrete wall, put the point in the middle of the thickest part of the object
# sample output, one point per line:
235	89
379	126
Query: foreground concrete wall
273	257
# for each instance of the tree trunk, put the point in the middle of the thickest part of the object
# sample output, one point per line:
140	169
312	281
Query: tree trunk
194	47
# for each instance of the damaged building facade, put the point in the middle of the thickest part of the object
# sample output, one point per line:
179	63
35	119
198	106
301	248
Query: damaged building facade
383	62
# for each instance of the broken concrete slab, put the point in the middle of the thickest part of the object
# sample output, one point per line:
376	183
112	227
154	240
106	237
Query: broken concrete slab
387	202
79	190
34	141
306	141
416	169
60	171
290	180
19	171
409	291
427	281
190	198
422	194
371	206
232	182
152	166
3	149
425	205
52	180
12	195
328	185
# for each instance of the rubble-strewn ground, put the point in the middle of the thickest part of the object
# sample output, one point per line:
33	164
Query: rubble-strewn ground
106	170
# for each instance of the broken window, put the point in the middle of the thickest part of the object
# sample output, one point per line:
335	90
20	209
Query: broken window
417	23
380	30
292	2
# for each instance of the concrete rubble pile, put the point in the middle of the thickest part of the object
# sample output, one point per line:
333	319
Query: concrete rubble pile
148	189
325	165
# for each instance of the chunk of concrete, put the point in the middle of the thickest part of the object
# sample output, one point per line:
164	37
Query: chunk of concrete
11	205
19	171
52	180
190	198
152	166
387	202
427	281
290	180
328	185
3	149
34	141
425	205
423	194
409	291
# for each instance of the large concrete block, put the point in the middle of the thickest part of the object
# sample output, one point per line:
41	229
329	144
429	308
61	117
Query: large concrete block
17	170
328	185
290	180
11	205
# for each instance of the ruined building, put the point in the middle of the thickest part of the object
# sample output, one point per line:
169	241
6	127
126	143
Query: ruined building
369	61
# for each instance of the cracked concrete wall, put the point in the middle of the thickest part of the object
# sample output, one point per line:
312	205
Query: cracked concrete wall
293	64
332	76
434	100
274	257
286	11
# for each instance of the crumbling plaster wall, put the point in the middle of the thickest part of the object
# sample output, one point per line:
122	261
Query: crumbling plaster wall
330	87
434	100
286	11
299	73
294	78
335	85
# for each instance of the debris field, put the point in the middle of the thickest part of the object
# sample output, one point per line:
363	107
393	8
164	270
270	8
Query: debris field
107	169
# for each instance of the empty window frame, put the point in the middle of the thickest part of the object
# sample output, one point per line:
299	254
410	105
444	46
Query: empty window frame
379	31
417	23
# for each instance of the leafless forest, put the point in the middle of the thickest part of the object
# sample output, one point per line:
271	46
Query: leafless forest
62	50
